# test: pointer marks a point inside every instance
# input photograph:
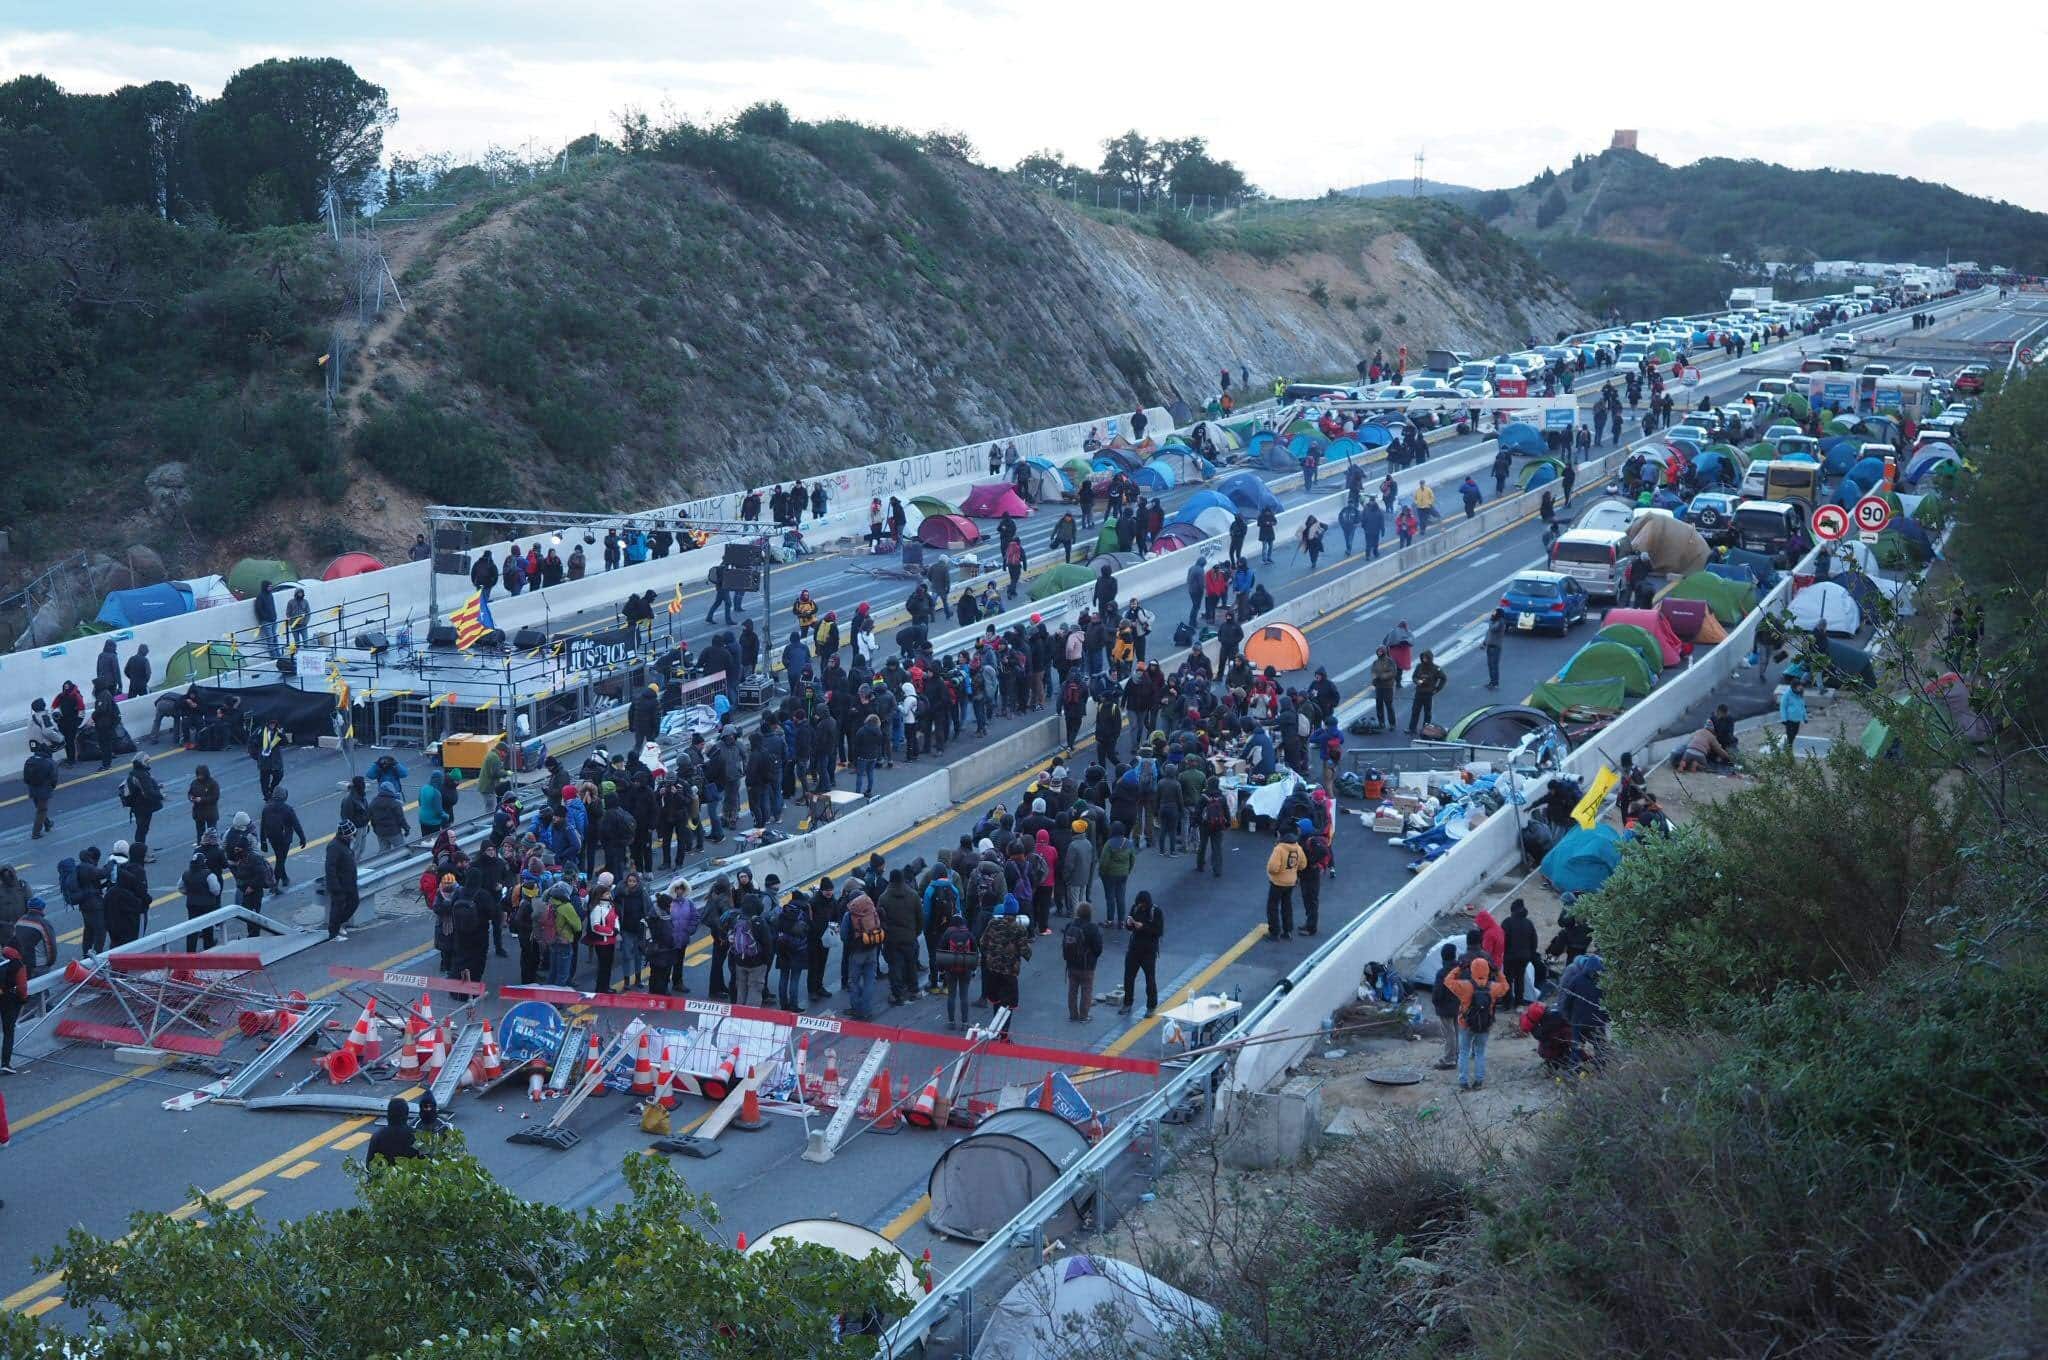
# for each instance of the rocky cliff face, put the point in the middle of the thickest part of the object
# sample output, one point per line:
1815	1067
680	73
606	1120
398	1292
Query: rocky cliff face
651	335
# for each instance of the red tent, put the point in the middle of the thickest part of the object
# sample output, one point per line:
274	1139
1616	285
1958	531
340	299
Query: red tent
947	531
993	500
350	564
1656	625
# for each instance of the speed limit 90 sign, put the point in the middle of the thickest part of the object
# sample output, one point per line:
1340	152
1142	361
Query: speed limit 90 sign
1873	513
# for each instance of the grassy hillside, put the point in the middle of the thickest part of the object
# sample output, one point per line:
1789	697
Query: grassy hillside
1621	226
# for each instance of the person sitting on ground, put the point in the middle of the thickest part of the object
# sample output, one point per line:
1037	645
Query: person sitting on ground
1701	749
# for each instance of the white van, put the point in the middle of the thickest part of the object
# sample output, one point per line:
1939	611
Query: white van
1597	559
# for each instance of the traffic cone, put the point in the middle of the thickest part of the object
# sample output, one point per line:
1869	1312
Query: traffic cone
429	1042
436	1057
1095	1128
829	1093
924	1114
593	1061
665	1081
643	1067
720	1086
803	1066
493	1059
1045	1100
423	1015
750	1108
742	1244
341	1064
924	1272
361	1042
536	1085
886	1118
409	1061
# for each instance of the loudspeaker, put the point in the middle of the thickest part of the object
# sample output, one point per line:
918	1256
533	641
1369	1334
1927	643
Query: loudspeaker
441	635
743	554
492	639
451	537
287	665
373	642
527	638
451	563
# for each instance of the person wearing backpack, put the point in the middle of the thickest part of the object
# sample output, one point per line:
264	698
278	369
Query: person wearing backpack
1479	990
1316	847
1141	955
1118	858
1014	562
81	882
901	911
1073	708
958	960
253	878
790	925
1215	821
1283	870
1080	948
201	887
864	937
563	927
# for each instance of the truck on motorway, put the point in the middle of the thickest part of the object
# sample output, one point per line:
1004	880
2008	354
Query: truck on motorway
1739	298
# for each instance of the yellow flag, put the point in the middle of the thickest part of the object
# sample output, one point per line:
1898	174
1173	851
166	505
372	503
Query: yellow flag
1588	811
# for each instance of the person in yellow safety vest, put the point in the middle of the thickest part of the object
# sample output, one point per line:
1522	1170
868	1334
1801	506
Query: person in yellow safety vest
1279	388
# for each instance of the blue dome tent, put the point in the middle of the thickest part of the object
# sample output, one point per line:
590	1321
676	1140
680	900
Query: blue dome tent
1523	438
1246	492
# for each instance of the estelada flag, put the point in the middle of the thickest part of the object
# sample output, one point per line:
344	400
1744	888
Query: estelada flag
472	619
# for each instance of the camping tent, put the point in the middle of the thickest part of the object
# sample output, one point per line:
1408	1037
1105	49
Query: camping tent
1302	445
1761	567
1209	519
1521	437
1714	468
143	604
1838	453
1638	640
1684	617
1729	600
1221	437
1044	481
932	505
249	573
1091	1305
1500	725
1583	858
1012	1157
1248	493
1845	664
350	564
1255	447
1106	540
1670	648
1868	592
1065	576
1279	645
1373	436
1343	450
1555	696
1160	474
1276	456
1599	660
947	531
1826	603
1927	460
1539	472
991	500
1187	465
1951	694
853	1241
1079	470
1648	466
1867	472
1675	548
207	592
198	661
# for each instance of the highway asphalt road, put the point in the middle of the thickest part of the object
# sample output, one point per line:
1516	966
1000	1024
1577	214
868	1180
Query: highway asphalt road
81	1116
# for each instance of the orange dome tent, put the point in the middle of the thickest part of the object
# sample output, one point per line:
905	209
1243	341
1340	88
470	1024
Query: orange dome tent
1279	645
350	564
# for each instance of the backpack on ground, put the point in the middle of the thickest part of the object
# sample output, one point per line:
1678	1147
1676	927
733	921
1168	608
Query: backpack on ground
1074	946
1479	1010
1183	635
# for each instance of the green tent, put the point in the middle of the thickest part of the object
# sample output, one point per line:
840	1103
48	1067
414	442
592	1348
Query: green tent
1610	661
1555	696
1637	639
1932	511
1875	739
197	661
1080	469
1105	539
1244	428
1065	576
1796	406
1764	449
1532	474
251	572
1842	425
932	505
1729	600
1663	354
1307	427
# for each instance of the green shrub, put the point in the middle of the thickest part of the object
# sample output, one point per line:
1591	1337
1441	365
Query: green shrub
440	453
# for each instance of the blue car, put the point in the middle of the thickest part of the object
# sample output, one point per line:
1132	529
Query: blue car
1544	601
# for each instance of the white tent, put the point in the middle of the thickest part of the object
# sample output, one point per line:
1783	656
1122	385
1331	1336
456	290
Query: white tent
853	1240
1606	514
1091	1305
208	591
1825	602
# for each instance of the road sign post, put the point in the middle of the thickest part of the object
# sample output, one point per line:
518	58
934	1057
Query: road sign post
1830	523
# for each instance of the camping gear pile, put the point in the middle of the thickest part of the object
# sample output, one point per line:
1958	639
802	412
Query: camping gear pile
1429	811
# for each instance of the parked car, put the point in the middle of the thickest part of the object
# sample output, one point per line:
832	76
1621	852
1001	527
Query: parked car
1598	559
1971	379
1775	528
1544	601
1713	514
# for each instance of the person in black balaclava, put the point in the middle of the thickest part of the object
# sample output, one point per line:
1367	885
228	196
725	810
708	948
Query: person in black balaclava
394	1142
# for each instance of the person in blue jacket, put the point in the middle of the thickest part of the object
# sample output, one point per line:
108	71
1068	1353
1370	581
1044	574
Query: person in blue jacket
1792	711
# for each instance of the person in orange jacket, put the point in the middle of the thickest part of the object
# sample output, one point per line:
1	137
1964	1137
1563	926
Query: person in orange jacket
1479	988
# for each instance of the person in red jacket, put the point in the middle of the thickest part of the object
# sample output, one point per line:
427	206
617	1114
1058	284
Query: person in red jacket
1492	938
13	995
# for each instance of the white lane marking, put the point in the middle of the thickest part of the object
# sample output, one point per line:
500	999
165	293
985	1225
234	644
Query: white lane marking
1479	561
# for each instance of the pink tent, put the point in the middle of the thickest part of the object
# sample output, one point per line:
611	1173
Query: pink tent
945	531
350	564
1685	616
1653	623
993	500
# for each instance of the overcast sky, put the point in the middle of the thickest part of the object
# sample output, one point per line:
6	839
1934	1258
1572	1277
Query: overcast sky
1303	98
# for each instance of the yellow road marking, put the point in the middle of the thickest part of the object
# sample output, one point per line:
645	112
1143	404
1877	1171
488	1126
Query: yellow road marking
42	1306
901	1224
352	1142
247	1197
292	1173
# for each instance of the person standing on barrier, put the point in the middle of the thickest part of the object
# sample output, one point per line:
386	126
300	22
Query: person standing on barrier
1283	871
1141	955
